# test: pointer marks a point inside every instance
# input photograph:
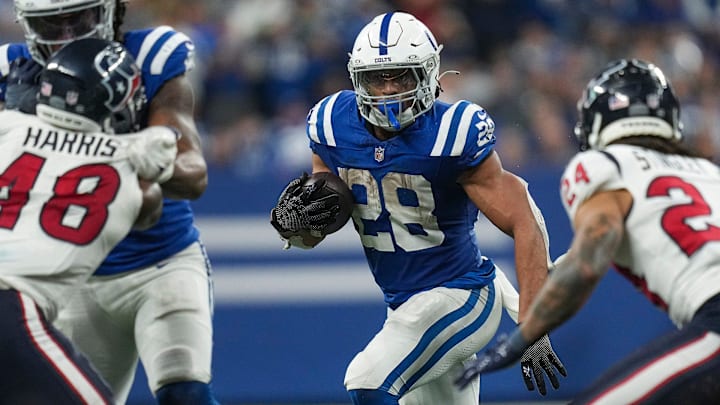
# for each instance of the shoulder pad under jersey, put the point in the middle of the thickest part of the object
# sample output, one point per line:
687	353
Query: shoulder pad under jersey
467	131
319	120
161	53
588	173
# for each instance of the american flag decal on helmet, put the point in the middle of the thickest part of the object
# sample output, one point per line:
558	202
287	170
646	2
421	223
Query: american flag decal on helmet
618	101
46	89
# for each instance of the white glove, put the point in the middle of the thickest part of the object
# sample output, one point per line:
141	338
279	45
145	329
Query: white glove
152	152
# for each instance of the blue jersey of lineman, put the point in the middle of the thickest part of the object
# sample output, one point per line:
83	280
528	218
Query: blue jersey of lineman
162	54
415	221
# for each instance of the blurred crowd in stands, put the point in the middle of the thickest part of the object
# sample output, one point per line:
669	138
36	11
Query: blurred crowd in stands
262	64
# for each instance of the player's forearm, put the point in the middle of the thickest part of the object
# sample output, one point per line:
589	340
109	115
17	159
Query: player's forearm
173	106
575	278
524	223
531	267
561	297
189	179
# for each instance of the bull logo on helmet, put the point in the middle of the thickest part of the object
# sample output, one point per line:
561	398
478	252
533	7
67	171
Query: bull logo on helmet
122	80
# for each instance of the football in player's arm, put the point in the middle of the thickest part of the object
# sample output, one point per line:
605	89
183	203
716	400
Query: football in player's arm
420	171
640	201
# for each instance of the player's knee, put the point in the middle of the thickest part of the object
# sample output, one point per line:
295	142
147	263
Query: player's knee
186	393
372	397
177	363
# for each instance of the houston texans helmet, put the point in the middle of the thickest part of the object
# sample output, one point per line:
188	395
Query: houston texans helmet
398	42
86	82
630	97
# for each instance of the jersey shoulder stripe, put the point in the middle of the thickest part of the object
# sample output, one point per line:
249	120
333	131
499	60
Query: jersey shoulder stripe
465	129
157	45
161	53
148	42
319	123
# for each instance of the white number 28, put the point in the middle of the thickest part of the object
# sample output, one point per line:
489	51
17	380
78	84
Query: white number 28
401	216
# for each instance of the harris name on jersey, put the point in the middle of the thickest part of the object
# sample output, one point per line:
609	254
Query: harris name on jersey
72	143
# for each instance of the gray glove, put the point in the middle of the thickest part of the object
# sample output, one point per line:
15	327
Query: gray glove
538	358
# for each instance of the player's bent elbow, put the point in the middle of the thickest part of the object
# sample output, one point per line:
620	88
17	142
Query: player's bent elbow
201	187
187	188
196	188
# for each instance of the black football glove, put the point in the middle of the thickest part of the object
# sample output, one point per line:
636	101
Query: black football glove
507	351
538	358
534	359
301	209
22	85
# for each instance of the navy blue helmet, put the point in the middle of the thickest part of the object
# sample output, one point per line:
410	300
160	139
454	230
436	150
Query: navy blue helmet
86	82
629	98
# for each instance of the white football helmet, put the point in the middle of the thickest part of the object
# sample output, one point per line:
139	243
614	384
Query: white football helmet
50	24
395	41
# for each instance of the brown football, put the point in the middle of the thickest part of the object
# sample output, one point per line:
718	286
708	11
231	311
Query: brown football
334	185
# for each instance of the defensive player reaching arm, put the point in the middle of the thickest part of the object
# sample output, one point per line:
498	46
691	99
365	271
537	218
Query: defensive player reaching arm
151	298
70	194
635	189
420	170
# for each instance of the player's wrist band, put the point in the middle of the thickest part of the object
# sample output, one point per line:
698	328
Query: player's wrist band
516	342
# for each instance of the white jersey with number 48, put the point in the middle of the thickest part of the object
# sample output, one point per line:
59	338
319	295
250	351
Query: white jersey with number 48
66	199
671	247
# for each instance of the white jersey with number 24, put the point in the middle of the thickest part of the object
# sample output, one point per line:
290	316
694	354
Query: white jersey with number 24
671	247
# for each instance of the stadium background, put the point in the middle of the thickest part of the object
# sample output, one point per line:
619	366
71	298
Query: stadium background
288	322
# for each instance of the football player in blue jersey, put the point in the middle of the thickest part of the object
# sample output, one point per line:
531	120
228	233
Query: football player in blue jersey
152	296
420	169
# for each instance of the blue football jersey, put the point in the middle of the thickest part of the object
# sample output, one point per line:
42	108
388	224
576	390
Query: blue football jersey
162	54
416	223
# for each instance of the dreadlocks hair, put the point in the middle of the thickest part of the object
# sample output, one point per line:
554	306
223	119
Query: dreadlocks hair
661	145
120	8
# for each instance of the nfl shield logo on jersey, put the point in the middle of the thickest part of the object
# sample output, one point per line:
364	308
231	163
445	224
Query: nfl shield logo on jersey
379	154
